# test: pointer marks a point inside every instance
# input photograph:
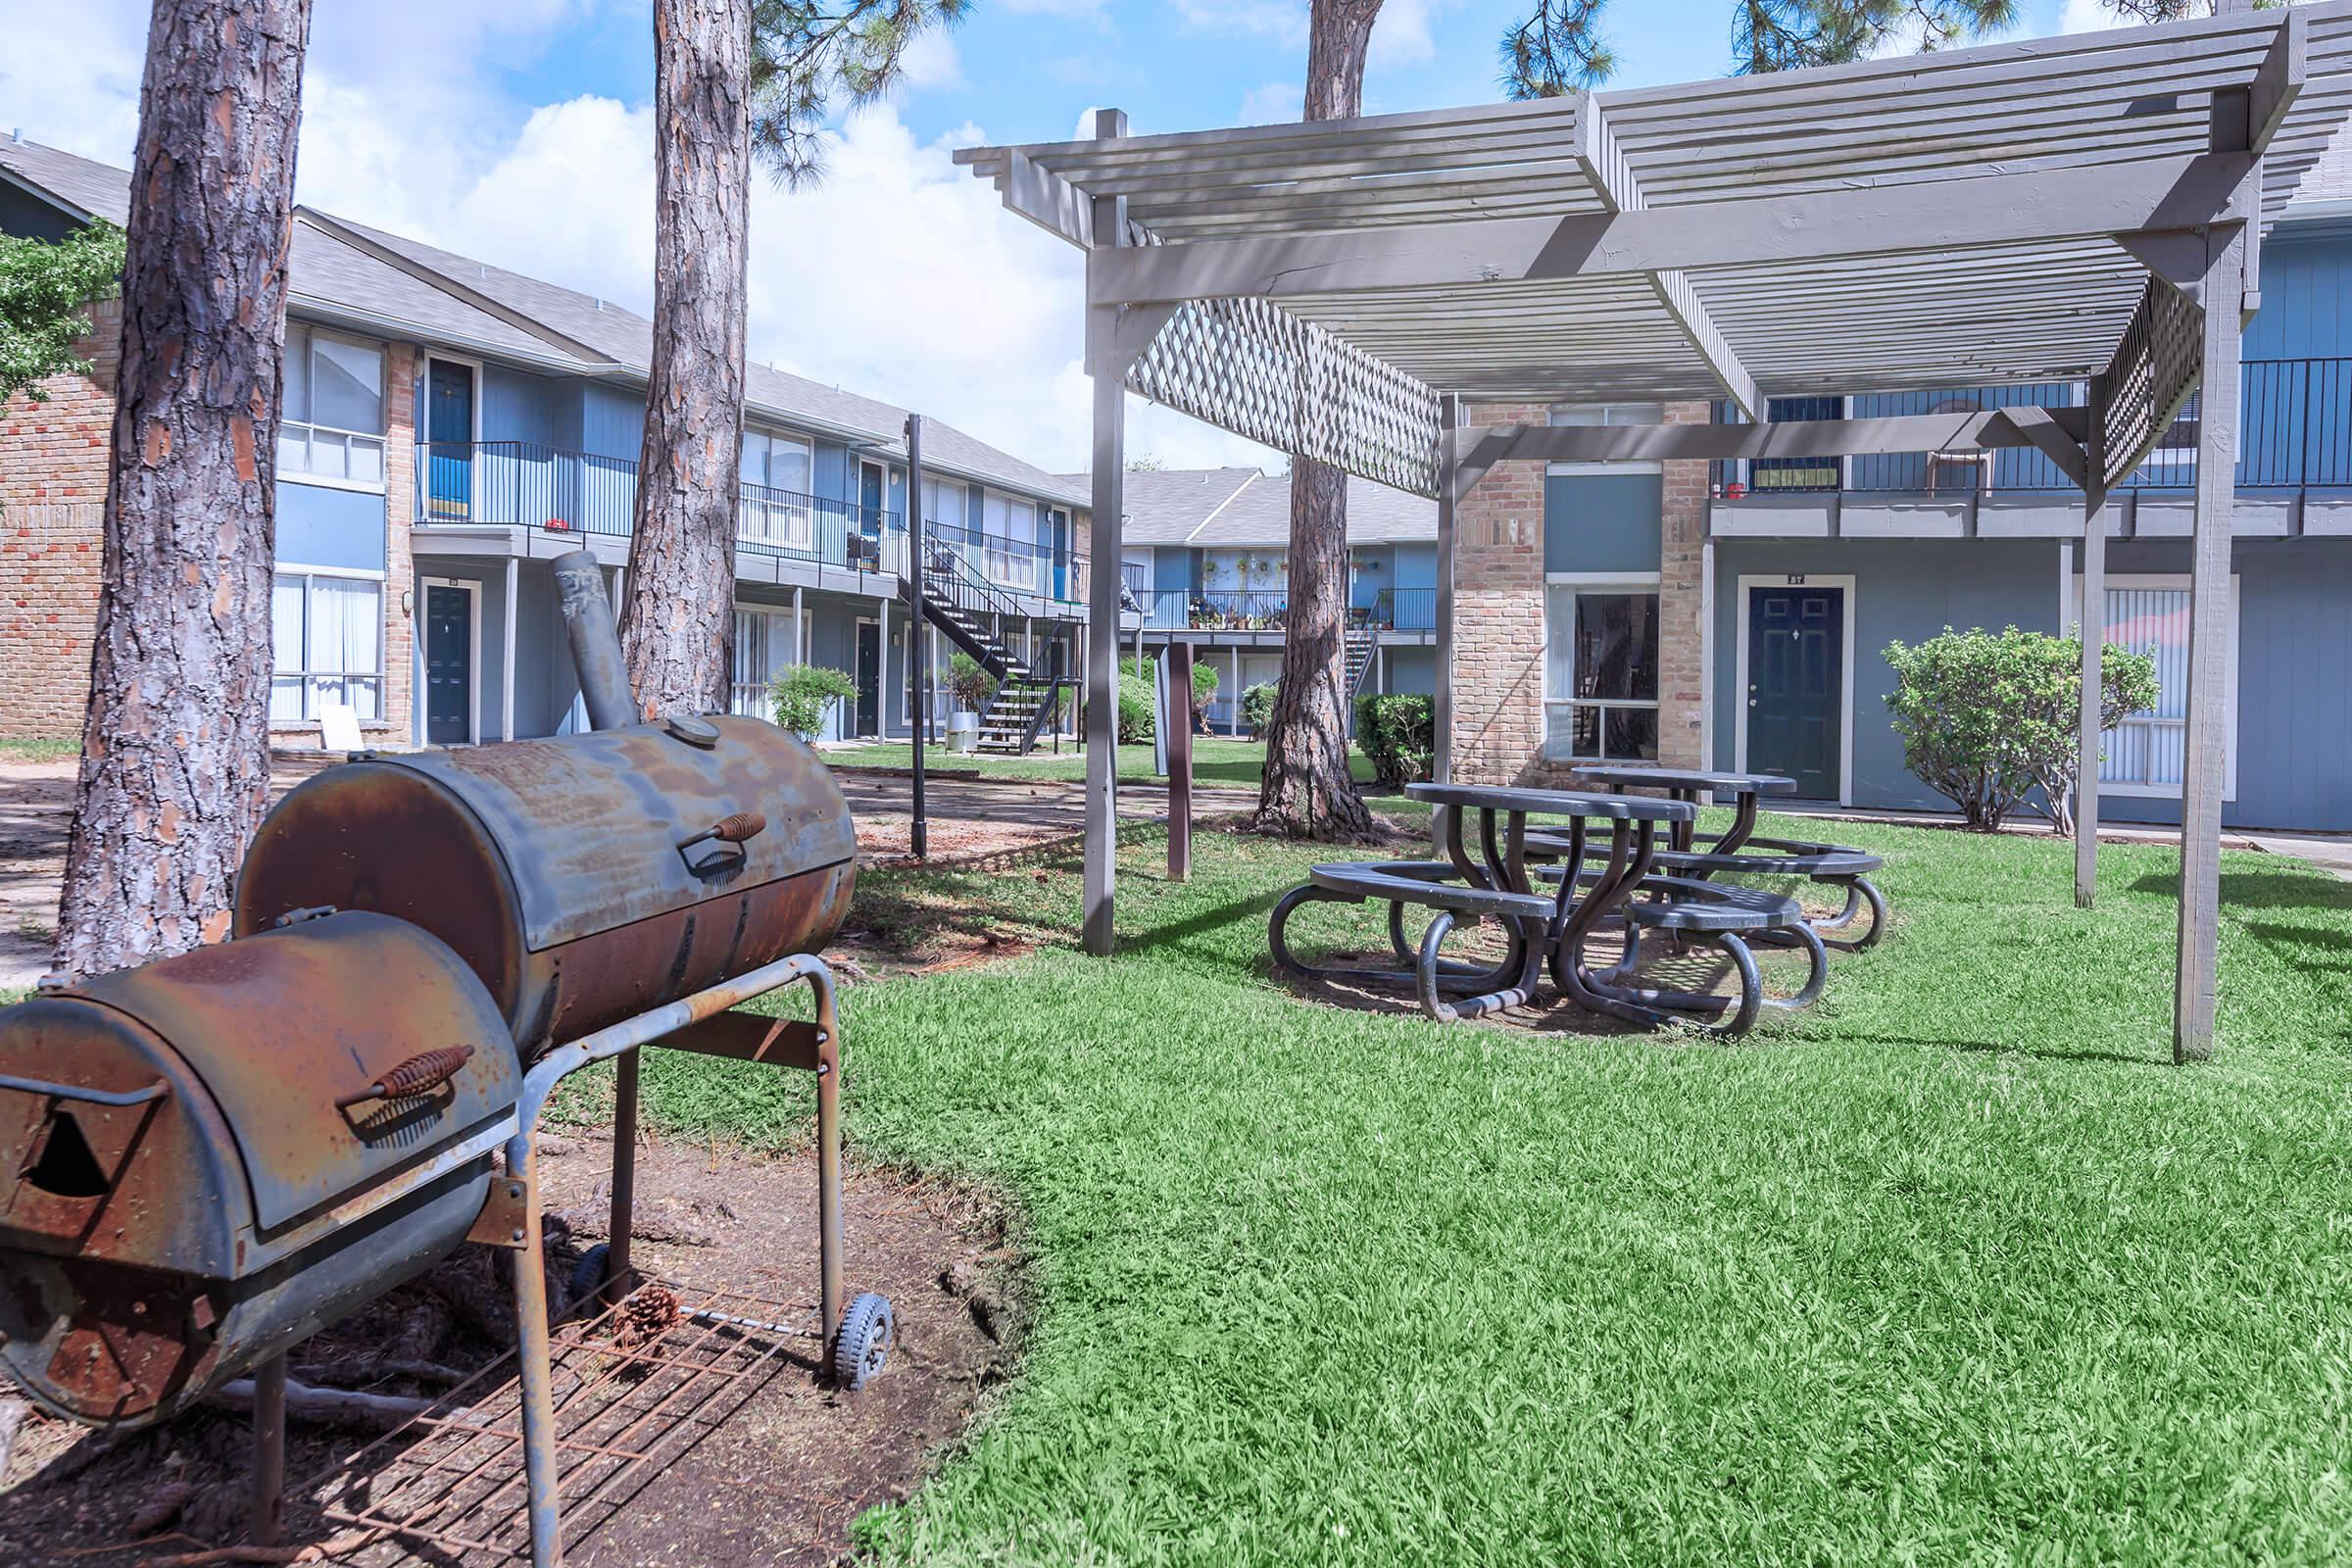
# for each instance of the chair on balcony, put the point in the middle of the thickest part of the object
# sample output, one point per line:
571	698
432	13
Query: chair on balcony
1979	462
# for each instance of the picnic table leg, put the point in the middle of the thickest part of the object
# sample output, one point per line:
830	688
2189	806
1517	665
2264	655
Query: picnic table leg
1744	823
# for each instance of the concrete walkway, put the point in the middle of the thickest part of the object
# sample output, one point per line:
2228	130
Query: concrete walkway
2330	852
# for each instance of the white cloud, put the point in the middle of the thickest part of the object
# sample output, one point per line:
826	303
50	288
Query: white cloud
932	62
2091	16
901	276
1271	104
1282	21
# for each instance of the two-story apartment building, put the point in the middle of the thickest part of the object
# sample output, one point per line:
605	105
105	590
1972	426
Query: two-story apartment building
1736	615
448	427
1207	557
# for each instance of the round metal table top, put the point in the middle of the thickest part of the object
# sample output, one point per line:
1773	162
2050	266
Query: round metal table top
1642	775
1554	803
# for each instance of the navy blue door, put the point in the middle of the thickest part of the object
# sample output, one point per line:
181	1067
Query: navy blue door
869	678
448	665
1796	685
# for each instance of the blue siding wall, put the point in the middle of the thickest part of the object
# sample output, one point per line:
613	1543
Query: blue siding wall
830	471
1602	522
28	217
1416	586
2306	293
1413	669
543	409
611	422
1903	588
319	526
1375	574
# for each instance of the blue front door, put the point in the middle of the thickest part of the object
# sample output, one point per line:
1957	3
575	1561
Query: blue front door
1796	685
448	428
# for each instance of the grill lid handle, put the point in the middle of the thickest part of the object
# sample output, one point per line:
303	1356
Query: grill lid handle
426	1070
730	830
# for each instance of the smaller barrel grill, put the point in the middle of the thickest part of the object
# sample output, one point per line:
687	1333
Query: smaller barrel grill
221	1153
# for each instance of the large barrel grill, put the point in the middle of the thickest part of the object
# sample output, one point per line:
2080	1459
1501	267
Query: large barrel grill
207	1158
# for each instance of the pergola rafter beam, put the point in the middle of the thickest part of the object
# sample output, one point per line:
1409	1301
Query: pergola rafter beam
2052	431
1605	166
1961	214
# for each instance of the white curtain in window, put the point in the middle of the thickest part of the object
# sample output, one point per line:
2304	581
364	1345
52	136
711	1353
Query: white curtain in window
285	649
755	448
789	464
294	388
944	503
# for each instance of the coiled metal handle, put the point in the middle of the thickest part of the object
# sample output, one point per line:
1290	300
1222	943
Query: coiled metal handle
426	1070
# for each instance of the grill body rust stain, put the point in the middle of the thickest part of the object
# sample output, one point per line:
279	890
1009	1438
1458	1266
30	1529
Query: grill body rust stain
152	1249
579	877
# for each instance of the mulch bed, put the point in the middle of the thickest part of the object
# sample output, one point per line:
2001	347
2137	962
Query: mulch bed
777	1483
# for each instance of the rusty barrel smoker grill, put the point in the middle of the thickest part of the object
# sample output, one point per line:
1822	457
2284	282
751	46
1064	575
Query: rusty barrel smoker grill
215	1155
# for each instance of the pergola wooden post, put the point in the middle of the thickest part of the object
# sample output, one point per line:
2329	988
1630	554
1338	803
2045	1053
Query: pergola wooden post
2018	213
2090	626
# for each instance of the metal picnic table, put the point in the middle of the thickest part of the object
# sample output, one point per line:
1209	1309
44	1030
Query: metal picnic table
1688	784
1546	914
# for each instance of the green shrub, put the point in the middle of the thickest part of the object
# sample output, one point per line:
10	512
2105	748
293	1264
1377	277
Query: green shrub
972	685
1985	718
1398	734
1135	703
1257	706
802	694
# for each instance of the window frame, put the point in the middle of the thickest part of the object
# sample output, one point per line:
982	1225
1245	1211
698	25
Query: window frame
1613	584
380	675
312	429
1566	413
2175	582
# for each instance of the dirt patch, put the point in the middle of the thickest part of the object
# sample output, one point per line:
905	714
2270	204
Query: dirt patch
776	1483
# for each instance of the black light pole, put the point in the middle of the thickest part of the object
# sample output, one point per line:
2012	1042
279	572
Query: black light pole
919	669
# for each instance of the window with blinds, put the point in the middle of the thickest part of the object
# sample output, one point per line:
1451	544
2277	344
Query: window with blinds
2147	753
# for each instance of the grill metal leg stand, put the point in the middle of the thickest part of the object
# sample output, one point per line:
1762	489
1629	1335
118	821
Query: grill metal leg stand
624	1178
268	1526
701	1023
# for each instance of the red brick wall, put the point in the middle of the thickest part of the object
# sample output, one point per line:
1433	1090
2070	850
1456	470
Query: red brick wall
53	468
54	457
1682	603
1497	728
1498	630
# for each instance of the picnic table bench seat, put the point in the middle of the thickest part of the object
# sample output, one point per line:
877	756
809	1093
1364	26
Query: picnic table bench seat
1535	923
1839	865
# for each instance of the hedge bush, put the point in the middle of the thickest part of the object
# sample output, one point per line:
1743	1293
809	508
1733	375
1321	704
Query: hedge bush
1397	733
802	693
1985	718
1257	706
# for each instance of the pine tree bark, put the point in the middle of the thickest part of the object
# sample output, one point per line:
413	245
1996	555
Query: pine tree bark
1307	791
678	624
176	741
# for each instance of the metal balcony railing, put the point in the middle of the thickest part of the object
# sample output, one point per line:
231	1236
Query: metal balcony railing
2294	433
528	485
1265	610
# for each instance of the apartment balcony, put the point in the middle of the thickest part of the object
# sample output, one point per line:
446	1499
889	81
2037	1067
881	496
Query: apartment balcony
1263	610
581	497
2294	471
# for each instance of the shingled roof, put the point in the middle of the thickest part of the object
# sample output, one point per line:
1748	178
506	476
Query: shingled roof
1218	508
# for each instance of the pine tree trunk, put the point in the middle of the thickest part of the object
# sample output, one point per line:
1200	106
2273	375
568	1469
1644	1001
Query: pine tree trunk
176	741
679	621
1307	791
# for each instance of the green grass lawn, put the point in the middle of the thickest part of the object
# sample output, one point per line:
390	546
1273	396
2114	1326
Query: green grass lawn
1955	1269
40	749
1215	761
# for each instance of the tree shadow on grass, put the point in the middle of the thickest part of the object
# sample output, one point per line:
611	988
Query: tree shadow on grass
2292	886
1987	1048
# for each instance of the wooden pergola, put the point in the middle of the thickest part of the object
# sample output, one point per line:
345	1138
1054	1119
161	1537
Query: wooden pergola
2070	209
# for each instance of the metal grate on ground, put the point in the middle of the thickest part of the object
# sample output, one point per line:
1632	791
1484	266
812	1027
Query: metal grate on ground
637	1386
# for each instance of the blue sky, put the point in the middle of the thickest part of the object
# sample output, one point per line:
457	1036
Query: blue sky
516	131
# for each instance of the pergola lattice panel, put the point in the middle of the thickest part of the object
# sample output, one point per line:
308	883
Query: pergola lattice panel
1250	366
2156	366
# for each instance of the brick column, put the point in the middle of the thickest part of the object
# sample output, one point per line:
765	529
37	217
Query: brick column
1682	603
54	459
1498	617
402	362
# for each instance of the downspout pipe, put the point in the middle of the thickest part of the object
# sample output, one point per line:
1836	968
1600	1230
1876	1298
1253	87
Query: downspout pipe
595	642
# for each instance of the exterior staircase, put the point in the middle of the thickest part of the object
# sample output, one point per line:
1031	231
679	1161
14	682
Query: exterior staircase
1356	643
964	605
